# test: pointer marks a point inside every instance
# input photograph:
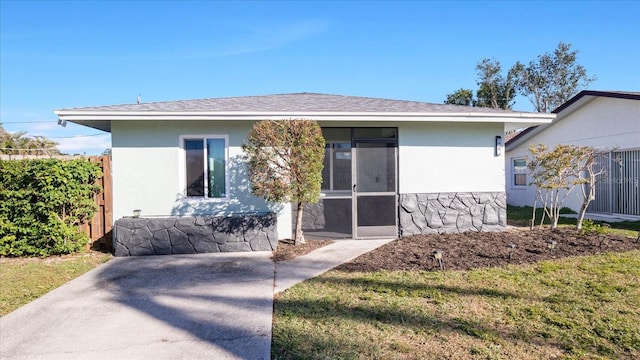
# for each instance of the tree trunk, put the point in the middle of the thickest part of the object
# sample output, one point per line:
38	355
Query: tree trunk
545	202
554	210
533	216
583	210
587	199
299	237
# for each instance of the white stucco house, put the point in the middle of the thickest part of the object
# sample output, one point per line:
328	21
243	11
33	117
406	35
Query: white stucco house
392	168
602	119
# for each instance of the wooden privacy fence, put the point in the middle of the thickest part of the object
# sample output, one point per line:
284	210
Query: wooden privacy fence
98	229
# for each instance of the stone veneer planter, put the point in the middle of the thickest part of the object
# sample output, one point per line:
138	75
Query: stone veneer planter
198	234
452	212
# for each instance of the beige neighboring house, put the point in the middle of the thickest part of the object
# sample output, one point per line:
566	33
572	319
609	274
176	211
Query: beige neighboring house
602	119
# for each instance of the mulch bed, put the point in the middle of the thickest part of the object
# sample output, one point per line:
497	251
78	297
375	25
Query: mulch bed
485	249
286	249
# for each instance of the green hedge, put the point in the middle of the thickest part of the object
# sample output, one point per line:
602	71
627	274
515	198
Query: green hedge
42	202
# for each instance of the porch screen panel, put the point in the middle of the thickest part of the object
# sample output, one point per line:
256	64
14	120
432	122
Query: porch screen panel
342	166
625	178
336	173
618	191
326	168
602	201
195	167
376	167
371	210
328	218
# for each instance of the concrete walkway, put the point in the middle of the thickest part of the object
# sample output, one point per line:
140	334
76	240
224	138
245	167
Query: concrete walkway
289	273
604	217
205	306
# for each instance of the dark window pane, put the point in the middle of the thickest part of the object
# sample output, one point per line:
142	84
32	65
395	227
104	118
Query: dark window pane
520	179
216	164
336	134
195	167
377	133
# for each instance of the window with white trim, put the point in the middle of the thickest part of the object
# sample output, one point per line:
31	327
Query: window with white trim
205	166
520	172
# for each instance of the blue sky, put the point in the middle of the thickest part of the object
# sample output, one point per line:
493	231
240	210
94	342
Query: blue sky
56	54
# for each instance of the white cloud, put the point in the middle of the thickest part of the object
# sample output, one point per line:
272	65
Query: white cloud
89	145
42	128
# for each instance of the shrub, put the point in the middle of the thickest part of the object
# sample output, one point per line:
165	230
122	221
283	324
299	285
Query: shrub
592	228
42	202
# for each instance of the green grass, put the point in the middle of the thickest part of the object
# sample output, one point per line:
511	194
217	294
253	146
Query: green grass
23	280
520	216
575	308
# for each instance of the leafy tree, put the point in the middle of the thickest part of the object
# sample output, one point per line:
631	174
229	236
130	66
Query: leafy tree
552	173
460	97
285	163
496	91
552	79
557	172
548	82
19	143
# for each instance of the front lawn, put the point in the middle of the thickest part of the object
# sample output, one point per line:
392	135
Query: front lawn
520	216
574	308
25	279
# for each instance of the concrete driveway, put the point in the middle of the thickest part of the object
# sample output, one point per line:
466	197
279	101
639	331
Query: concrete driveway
205	306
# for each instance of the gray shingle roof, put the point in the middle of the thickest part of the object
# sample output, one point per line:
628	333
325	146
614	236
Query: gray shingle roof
284	103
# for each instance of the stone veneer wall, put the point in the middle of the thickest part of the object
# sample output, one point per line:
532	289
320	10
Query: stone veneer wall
190	235
452	212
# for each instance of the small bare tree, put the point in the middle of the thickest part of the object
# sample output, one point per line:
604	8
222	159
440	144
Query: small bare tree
590	166
285	163
557	172
553	173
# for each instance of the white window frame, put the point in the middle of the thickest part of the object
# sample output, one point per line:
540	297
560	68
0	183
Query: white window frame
182	163
514	173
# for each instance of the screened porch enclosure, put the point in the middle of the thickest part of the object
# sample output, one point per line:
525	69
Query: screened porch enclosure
359	185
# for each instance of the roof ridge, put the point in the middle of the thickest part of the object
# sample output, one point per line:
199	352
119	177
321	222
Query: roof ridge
293	102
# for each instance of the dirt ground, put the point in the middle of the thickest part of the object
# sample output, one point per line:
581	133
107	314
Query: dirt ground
286	249
488	249
459	251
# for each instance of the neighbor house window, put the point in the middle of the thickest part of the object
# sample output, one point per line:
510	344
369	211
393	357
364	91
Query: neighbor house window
205	167
519	172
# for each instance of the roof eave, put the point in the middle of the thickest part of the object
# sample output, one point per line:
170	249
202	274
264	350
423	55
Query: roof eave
73	115
578	101
526	135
